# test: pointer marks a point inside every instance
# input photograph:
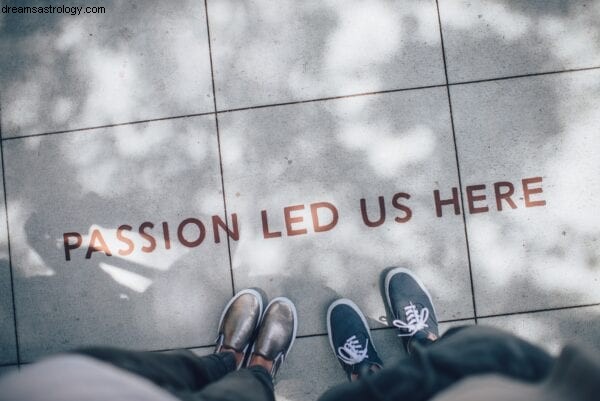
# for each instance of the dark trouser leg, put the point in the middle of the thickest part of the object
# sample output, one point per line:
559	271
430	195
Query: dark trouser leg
190	377
459	353
252	384
180	370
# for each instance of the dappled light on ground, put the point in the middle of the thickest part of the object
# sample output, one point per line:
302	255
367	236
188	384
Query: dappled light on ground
119	234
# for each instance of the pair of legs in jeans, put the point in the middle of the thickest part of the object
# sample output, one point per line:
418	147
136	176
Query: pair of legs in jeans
252	344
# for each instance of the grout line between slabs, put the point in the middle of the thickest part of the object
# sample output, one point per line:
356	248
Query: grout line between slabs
413	88
212	76
10	265
532	74
310	335
538	310
324	99
462	200
464	319
535	74
151	120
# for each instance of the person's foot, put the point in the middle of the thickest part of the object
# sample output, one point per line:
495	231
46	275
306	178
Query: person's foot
350	339
411	307
276	335
238	323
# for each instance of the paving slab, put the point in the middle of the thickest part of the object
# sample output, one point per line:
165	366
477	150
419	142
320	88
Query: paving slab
280	51
8	347
331	155
504	38
139	60
545	252
7	369
553	330
165	284
311	368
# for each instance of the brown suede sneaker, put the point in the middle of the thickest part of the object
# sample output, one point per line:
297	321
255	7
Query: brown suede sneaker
239	322
277	332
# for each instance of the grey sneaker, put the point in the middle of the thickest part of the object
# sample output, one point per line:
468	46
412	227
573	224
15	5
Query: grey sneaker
277	332
411	307
239	322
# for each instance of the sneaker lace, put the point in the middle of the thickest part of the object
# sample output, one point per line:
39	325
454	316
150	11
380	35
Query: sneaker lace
415	320
353	352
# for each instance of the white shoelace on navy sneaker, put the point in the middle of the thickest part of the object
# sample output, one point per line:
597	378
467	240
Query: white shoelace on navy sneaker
415	320
353	352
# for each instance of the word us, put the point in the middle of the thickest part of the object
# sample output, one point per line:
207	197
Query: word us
192	232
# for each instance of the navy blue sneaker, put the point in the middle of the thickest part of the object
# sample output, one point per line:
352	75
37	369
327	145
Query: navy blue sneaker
350	339
411	307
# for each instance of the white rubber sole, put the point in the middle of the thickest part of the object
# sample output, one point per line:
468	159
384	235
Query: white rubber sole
396	270
345	301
